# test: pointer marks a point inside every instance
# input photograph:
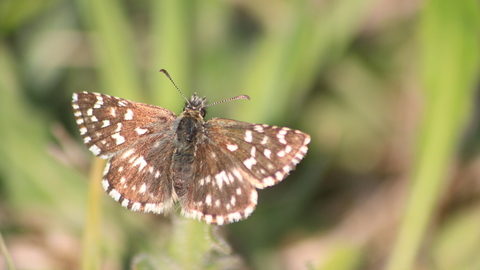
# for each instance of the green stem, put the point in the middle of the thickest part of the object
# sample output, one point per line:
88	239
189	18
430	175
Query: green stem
450	60
6	254
91	236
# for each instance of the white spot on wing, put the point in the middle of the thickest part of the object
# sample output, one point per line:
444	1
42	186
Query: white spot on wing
143	188
128	153
150	207
281	136
307	140
141	131
99	102
269	181
235	216
287	168
220	220
105	184
232	147
248	211
248	136
141	162
208	199
252	151
249	162
119	127
115	194
238	175
119	138
106	123
267	153
95	150
288	149
208	219
129	114
221	177
107	168
136	206
254	197
258	128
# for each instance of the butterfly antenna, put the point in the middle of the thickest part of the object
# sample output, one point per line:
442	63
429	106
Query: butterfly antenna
168	75
230	99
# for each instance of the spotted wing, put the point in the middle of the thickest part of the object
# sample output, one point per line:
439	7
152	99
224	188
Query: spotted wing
137	139
109	124
234	158
139	177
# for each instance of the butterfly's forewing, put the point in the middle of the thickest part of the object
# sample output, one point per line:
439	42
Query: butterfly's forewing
137	137
248	156
267	153
109	124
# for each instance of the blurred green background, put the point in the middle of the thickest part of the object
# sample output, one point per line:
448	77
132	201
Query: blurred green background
385	88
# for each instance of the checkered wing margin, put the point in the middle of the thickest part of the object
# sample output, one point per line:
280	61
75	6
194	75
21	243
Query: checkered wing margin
136	137
249	156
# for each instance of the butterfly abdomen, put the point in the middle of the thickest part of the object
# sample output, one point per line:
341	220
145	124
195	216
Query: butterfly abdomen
186	139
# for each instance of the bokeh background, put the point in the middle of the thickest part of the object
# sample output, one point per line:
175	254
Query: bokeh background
386	88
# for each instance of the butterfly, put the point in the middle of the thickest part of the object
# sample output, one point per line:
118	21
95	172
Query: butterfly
212	169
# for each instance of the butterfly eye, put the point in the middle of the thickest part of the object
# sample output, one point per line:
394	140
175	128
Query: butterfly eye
203	112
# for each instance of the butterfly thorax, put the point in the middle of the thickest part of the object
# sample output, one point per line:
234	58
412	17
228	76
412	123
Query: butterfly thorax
190	124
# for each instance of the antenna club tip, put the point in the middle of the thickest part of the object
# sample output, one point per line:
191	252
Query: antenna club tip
245	97
163	70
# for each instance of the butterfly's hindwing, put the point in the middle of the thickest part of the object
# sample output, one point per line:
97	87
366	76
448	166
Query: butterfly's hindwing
140	179
220	192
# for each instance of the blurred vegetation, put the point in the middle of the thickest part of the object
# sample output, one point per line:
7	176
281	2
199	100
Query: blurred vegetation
385	88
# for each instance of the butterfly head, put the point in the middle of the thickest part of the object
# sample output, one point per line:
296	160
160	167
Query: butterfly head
196	104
